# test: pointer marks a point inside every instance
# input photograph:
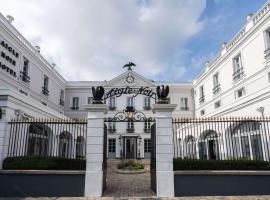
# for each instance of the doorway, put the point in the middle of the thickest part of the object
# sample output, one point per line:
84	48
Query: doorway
130	147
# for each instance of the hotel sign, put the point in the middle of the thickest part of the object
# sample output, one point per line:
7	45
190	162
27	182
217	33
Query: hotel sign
146	91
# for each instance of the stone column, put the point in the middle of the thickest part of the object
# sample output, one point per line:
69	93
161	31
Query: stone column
94	149
164	149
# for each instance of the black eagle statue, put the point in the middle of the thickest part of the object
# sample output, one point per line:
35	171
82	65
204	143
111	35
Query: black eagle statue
129	65
97	94
162	94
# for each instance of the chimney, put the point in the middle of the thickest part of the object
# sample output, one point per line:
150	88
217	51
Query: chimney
37	48
249	17
10	18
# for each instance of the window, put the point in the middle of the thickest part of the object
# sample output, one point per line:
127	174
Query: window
75	103
112	126
111	145
269	77
147	127
62	94
130	126
147	103
267	44
90	100
216	85
147	145
238	72
25	71
112	103
130	101
45	88
239	93
184	103
201	99
217	104
202	112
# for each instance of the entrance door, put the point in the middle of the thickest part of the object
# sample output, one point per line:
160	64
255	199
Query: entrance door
130	147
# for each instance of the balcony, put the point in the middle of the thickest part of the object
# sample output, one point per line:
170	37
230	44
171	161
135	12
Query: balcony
147	130
130	130
24	77
267	54
61	102
112	107
202	99
45	91
184	108
238	74
147	107
216	89
74	108
111	130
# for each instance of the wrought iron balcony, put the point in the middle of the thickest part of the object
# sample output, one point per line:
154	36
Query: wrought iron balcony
185	108
24	77
111	130
147	130
74	108
45	91
238	74
130	130
216	89
147	107
61	102
201	99
112	107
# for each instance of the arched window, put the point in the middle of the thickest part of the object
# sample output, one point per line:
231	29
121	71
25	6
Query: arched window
38	137
247	141
208	146
80	144
189	147
65	145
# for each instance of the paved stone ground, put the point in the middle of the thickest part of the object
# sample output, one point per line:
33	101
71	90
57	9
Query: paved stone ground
127	185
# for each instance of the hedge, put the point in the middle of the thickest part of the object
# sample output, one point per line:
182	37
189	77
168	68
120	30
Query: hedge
189	164
43	163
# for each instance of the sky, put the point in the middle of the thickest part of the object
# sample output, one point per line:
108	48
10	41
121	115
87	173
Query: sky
90	40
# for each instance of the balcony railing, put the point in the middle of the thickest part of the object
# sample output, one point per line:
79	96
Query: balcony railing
184	108
147	130
130	130
61	102
147	107
112	107
201	99
238	74
45	91
111	130
74	108
24	77
216	89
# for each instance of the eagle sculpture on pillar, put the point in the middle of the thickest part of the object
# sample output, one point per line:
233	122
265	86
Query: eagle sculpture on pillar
97	94
129	65
162	94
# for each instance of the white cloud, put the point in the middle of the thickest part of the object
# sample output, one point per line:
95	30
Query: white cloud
92	40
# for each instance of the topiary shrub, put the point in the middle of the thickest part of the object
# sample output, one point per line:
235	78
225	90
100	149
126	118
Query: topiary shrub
242	164
43	163
130	165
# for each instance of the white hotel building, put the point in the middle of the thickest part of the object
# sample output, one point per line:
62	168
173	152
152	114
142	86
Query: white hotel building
235	83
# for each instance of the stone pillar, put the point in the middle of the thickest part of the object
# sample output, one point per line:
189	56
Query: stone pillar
164	149
94	149
8	114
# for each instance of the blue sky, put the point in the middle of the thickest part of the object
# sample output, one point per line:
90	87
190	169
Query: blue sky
169	40
224	18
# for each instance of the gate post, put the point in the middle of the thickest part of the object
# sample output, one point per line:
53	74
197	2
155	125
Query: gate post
164	149
94	149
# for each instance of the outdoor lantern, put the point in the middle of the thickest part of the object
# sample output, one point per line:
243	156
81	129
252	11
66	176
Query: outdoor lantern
130	111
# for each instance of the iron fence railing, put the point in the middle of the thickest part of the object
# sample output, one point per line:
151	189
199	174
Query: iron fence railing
222	138
47	137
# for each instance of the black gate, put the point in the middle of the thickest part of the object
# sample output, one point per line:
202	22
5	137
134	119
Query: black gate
104	165
153	158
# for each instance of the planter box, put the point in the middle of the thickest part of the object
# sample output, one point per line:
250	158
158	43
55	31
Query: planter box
221	183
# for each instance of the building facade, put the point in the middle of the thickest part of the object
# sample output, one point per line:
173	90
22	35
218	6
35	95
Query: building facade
235	83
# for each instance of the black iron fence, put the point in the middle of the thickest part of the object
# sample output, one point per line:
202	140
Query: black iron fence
47	137
222	138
